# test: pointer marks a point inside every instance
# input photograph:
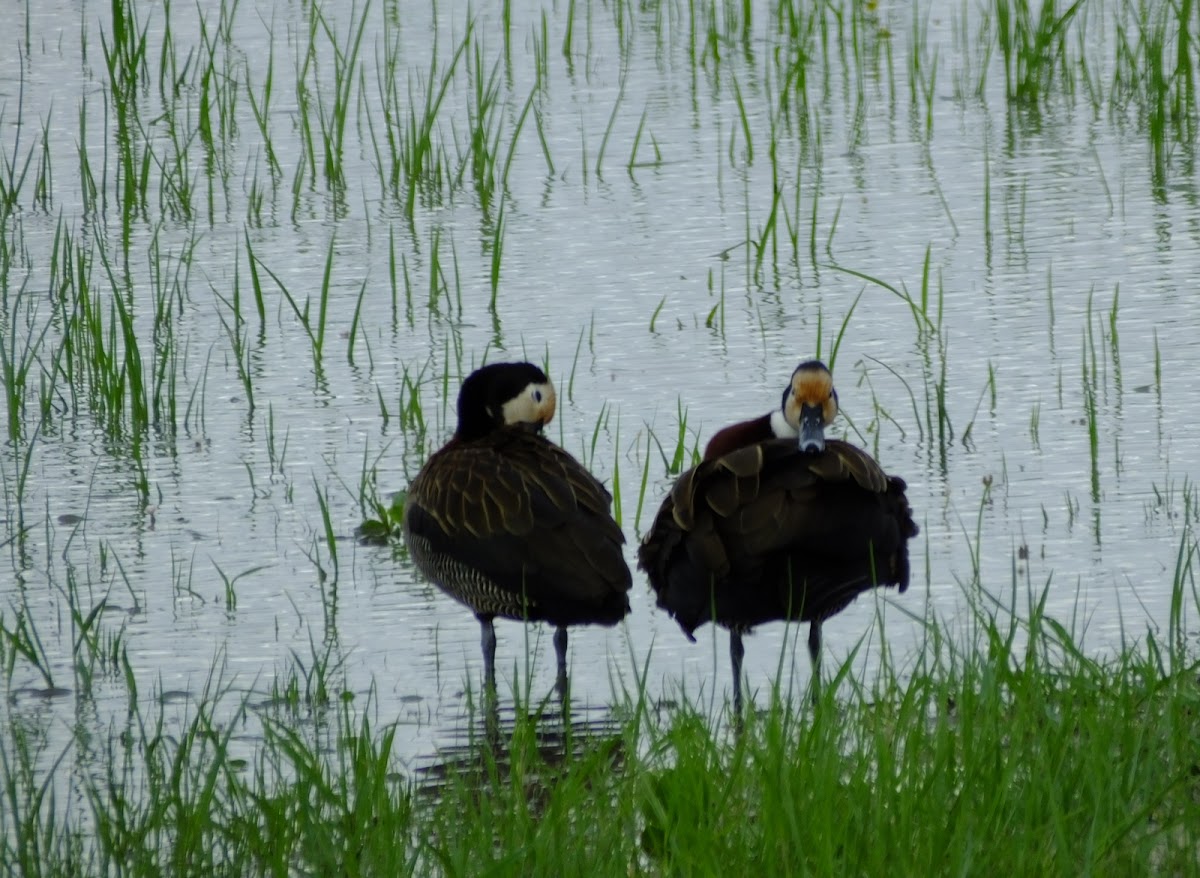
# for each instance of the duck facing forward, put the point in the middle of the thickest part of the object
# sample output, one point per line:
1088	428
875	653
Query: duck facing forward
778	523
508	523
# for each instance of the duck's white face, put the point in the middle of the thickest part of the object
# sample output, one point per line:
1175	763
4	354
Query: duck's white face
810	404
533	405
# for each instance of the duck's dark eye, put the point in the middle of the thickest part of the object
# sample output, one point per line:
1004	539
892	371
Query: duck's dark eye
537	396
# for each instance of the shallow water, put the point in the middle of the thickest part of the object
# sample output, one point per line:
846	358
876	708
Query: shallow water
1056	263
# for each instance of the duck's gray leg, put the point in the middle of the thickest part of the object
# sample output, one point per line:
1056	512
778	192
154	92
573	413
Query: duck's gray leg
814	654
560	649
737	651
488	640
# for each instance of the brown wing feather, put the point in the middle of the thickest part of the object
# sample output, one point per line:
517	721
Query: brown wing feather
528	519
769	532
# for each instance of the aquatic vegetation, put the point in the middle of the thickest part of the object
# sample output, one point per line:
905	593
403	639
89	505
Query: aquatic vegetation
1002	748
248	254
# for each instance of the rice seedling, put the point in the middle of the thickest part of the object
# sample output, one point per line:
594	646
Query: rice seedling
414	160
100	344
716	316
172	76
410	410
926	326
182	578
190	791
587	454
989	385
260	108
218	84
1157	369
256	493
744	123
569	36
812	225
22	640
497	249
484	125
1154	69
680	457
332	117
17	357
238	334
922	70
367	496
945	430
683	793
1032	46
831	360
199	390
645	481
885	414
575	363
633	150
438	285
612	119
168	298
305	174
330	537
657	311
539	37
314	329
1184	582
616	472
355	322
308	685
125	48
1091	417
518	127
768	232
355	794
228	583
37	841
125	59
177	192
96	648
1114	344
43	180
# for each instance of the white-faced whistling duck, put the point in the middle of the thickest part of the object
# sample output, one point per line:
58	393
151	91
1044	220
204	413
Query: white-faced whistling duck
778	523
506	522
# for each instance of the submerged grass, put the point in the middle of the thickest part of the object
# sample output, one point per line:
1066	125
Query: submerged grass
1017	753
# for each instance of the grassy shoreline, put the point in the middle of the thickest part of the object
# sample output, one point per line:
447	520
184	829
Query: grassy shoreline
1019	754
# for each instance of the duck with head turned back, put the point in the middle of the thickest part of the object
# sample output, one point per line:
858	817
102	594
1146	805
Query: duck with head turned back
778	523
508	523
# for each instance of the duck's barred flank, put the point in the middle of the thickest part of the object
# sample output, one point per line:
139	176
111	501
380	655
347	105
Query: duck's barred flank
466	584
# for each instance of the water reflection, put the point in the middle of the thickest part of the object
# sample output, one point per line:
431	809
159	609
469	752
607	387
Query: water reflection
483	747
